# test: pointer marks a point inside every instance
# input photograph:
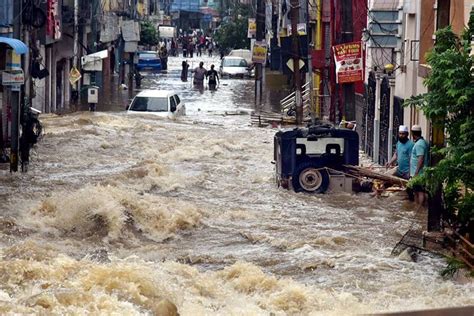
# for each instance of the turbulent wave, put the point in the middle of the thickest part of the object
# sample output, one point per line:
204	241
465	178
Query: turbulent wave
112	213
134	215
55	283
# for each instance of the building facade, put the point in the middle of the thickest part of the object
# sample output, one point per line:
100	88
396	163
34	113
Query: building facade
399	33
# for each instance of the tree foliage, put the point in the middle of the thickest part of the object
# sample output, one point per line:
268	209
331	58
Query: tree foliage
449	104
232	34
148	34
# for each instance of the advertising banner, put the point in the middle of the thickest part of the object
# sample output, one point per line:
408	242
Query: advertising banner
300	27
252	29
259	53
349	63
13	77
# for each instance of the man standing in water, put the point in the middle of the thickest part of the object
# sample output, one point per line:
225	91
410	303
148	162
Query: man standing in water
199	74
418	161
402	154
184	71
213	78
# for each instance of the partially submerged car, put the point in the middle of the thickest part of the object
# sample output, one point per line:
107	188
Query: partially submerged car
158	102
312	159
244	53
234	67
148	60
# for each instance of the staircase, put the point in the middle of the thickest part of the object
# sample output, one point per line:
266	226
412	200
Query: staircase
288	110
288	104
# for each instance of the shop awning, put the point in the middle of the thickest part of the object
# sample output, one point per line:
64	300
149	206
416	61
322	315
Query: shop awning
18	46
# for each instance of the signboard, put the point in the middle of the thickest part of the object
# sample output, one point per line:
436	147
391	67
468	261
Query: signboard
259	53
53	20
74	75
167	31
286	53
301	28
290	62
13	60
130	31
13	77
93	62
252	28
349	63
130	47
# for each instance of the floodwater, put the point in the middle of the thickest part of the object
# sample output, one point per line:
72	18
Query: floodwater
134	214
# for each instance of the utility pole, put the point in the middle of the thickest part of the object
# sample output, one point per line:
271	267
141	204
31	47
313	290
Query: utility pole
15	101
260	36
295	13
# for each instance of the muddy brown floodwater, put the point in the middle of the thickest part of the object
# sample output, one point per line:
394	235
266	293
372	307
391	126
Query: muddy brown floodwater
121	214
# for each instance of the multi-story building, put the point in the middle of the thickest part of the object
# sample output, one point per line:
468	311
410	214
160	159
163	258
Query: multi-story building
400	33
186	14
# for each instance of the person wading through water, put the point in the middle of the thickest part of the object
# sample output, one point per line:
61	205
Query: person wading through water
199	74
418	162
213	78
184	71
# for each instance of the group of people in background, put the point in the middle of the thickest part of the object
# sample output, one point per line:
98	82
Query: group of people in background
411	157
200	74
196	43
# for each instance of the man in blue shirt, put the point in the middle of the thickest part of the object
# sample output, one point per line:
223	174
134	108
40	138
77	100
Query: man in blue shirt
402	154
418	161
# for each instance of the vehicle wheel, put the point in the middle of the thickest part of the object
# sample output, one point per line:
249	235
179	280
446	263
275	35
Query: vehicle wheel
310	178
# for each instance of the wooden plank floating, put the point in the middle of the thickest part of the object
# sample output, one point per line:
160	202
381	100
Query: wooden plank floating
361	171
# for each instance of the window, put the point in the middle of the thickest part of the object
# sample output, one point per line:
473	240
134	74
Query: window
442	19
172	104
150	104
321	146
234	63
177	99
147	55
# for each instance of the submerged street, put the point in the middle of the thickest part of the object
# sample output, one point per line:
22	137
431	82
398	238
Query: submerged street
121	212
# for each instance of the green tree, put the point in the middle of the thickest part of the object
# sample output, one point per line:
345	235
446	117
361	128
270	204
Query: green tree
148	34
232	34
449	104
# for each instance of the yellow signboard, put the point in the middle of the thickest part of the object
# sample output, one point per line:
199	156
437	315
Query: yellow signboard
252	30
74	75
13	60
259	53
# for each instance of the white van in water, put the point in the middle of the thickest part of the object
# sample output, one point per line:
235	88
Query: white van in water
244	53
157	102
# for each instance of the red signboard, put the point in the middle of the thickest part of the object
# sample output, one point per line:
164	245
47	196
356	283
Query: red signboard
349	63
53	24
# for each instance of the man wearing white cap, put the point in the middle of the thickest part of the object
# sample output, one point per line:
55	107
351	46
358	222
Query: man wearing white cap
418	161
419	154
402	154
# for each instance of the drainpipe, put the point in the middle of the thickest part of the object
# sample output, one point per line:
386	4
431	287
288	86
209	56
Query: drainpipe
391	81
377	118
